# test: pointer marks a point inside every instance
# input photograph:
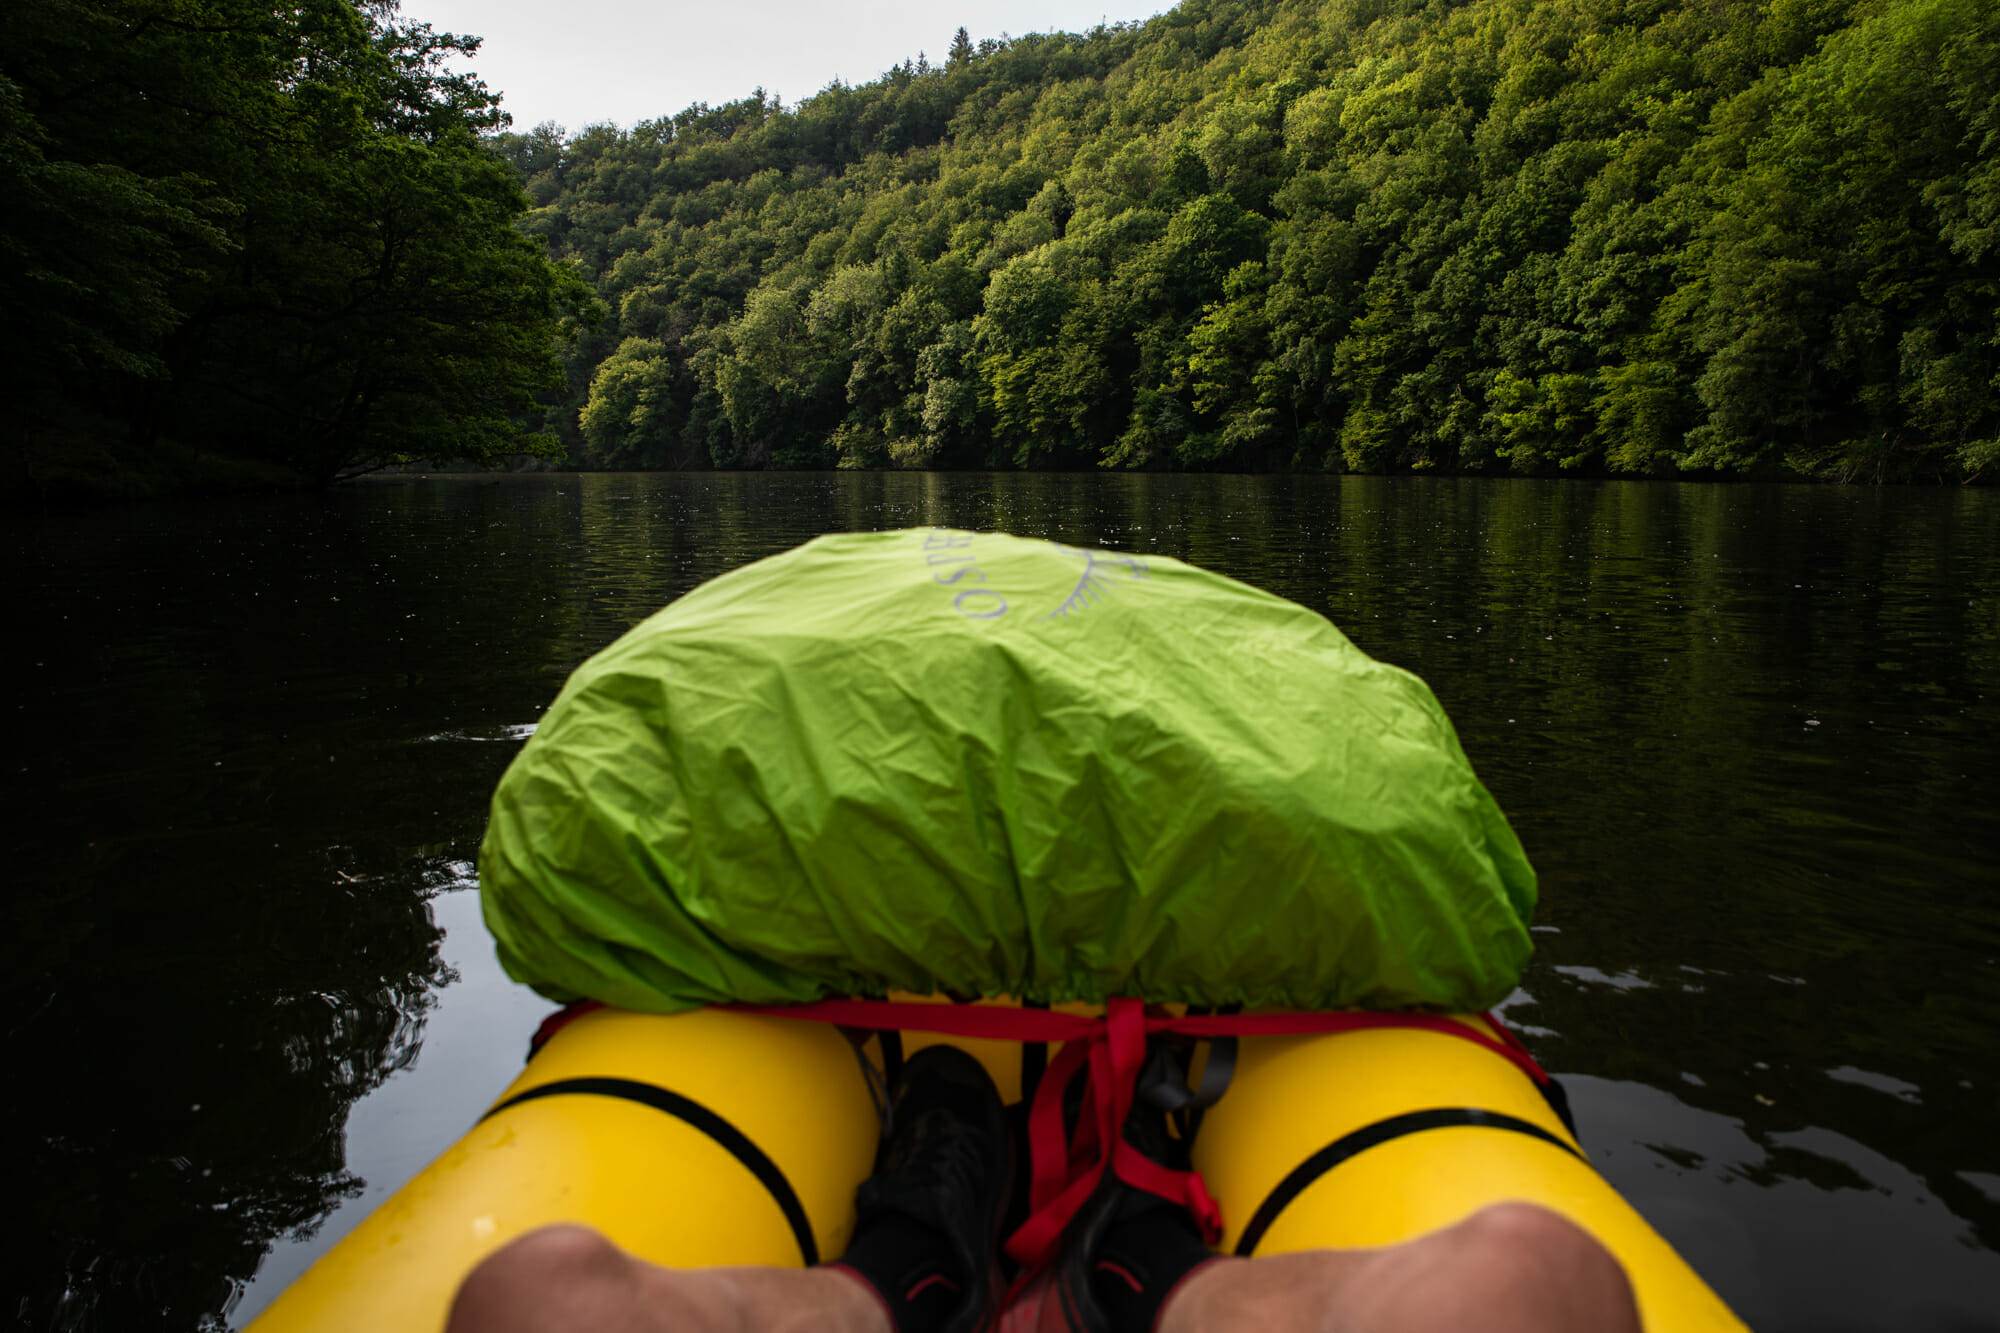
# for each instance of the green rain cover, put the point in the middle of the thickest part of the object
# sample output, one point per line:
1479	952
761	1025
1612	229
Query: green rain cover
935	760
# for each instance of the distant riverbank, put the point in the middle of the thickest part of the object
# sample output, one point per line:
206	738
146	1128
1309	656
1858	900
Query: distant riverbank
82	472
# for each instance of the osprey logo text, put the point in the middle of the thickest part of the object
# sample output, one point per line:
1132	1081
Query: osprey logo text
950	556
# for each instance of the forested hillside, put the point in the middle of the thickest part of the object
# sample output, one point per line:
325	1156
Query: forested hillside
1527	236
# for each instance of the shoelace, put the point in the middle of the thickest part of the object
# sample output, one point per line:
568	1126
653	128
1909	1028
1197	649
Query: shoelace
947	1159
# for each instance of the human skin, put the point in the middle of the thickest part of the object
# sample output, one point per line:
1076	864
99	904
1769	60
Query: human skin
1510	1268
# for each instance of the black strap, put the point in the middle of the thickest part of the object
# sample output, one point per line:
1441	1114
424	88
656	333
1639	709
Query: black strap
1163	1078
1369	1136
1034	1058
878	1085
693	1113
892	1054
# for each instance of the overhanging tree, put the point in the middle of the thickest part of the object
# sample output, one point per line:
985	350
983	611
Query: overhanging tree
331	274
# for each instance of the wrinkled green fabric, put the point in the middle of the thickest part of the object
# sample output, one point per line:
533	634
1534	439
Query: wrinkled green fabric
947	761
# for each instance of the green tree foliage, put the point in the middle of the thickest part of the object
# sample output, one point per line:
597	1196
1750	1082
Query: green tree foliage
1844	303
1756	237
275	234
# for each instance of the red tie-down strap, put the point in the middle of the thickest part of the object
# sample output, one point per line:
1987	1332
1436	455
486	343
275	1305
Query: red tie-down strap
1065	1168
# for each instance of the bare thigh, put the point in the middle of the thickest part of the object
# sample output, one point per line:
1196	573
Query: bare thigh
564	1278
1511	1268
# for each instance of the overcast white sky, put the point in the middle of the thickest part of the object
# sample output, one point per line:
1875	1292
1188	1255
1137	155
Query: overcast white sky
624	60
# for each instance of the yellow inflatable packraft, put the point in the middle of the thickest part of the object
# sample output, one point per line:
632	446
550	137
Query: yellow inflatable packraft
722	1137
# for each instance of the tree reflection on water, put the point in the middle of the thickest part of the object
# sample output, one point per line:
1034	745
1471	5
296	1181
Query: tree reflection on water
197	1075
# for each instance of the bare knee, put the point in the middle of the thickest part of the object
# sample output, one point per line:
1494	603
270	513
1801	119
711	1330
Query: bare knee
1541	1261
1524	1225
1523	1229
540	1280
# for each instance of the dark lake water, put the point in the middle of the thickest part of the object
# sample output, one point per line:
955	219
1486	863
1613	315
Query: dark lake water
1748	735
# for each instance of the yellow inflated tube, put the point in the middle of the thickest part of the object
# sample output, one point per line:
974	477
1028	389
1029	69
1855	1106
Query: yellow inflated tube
727	1138
688	1139
1380	1136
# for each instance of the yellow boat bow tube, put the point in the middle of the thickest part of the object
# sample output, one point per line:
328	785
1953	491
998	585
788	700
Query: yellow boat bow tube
725	1136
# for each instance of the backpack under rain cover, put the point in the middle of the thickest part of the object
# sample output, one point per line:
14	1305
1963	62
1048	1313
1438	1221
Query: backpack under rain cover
934	760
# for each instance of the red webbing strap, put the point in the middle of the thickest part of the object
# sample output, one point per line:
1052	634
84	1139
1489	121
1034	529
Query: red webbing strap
1065	1168
1519	1047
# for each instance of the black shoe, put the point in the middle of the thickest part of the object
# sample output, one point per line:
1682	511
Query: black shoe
927	1223
1127	1250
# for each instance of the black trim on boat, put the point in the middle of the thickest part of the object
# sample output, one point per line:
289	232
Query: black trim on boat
1557	1096
731	1139
1369	1136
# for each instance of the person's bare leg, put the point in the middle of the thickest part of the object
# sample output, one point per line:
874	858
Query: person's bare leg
1511	1268
568	1278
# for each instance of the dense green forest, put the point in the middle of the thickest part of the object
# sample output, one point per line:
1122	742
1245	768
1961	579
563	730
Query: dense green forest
1529	236
1734	238
252	243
